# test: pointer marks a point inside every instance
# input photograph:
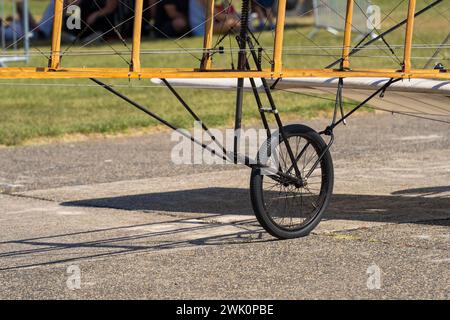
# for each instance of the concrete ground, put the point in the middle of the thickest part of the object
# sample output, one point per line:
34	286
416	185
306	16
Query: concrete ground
116	219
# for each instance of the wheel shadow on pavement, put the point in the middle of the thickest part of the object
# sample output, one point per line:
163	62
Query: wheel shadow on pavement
401	207
194	230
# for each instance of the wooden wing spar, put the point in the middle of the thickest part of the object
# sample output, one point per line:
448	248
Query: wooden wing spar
55	69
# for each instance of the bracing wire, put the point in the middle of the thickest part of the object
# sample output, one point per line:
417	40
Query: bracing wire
382	38
353	26
413	113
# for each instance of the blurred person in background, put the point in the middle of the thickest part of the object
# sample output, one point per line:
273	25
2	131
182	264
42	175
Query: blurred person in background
171	18
12	28
265	14
97	17
225	17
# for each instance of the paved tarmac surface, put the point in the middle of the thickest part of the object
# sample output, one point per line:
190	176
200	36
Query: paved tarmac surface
137	226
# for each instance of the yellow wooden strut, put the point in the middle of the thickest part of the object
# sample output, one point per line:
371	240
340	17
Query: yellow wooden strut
409	36
137	36
55	57
209	34
347	35
279	37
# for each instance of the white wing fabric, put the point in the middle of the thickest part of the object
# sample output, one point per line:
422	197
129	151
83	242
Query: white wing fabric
415	97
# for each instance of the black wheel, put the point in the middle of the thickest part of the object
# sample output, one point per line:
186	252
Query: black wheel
286	204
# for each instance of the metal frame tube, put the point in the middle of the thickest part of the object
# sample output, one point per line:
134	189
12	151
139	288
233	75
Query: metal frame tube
2	30
242	66
26	30
14	17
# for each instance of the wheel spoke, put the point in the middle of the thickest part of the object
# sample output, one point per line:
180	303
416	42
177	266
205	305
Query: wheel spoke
287	205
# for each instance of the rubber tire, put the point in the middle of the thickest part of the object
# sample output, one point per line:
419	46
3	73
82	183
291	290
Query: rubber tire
256	183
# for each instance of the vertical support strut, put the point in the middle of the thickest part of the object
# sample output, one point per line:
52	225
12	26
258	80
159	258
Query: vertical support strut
137	31
279	37
26	29
409	36
242	65
55	58
243	34
14	18
347	35
209	34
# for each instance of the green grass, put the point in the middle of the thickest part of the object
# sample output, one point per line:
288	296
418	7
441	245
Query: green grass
32	110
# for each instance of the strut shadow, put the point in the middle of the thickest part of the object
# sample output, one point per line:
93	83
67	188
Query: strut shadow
93	243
